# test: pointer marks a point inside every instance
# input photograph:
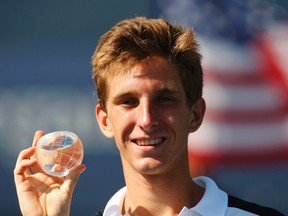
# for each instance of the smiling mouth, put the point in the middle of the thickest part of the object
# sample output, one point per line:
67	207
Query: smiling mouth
149	142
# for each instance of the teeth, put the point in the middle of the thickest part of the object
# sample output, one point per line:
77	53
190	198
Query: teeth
149	142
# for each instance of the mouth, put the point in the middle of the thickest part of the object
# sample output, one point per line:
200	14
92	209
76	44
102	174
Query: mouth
149	142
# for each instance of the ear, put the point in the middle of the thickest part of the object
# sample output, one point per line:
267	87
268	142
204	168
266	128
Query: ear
103	121
197	114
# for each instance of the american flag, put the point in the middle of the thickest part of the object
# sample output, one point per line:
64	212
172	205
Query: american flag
245	60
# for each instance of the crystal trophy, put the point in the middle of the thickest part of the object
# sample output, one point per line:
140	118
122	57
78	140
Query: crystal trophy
58	152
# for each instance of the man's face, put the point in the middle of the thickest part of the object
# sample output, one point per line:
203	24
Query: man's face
148	115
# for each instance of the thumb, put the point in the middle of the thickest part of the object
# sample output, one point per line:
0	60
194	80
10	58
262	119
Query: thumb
72	178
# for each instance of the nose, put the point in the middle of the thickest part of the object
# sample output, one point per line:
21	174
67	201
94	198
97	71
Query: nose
147	116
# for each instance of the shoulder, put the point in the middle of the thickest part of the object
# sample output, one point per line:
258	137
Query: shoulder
234	202
114	205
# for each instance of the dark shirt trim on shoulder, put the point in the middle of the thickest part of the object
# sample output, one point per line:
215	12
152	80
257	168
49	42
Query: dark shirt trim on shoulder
100	212
252	207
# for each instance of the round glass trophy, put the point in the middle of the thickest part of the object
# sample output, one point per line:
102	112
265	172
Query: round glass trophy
58	152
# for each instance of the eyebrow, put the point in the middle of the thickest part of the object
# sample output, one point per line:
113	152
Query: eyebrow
172	91
161	90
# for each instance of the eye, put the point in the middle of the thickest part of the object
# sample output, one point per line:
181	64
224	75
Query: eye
129	102
164	99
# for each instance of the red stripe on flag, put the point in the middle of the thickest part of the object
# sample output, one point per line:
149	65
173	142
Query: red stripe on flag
245	116
259	156
236	78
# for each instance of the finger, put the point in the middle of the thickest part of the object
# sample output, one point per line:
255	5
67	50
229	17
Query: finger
23	164
25	154
72	178
36	168
38	134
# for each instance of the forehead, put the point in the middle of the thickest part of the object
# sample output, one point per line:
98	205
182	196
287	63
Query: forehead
152	68
150	71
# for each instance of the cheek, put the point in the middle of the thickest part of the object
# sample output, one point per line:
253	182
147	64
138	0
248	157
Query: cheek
172	121
122	125
179	121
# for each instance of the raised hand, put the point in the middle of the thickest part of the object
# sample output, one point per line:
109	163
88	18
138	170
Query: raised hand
41	194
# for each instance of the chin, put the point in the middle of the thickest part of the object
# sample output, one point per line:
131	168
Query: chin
152	168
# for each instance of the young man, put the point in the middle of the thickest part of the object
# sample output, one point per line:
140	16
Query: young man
149	81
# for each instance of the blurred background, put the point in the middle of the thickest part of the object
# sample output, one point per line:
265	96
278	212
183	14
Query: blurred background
45	83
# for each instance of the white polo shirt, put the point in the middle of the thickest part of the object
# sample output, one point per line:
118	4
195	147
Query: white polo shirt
213	203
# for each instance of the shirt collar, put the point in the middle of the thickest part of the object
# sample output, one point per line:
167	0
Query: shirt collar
213	202
114	205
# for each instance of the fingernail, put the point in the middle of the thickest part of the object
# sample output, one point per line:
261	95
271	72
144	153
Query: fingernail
83	169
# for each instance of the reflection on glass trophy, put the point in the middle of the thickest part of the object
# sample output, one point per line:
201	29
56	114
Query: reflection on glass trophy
58	152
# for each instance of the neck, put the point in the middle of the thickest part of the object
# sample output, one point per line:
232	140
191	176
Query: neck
164	194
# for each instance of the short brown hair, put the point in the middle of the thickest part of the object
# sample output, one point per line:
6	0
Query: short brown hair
133	40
